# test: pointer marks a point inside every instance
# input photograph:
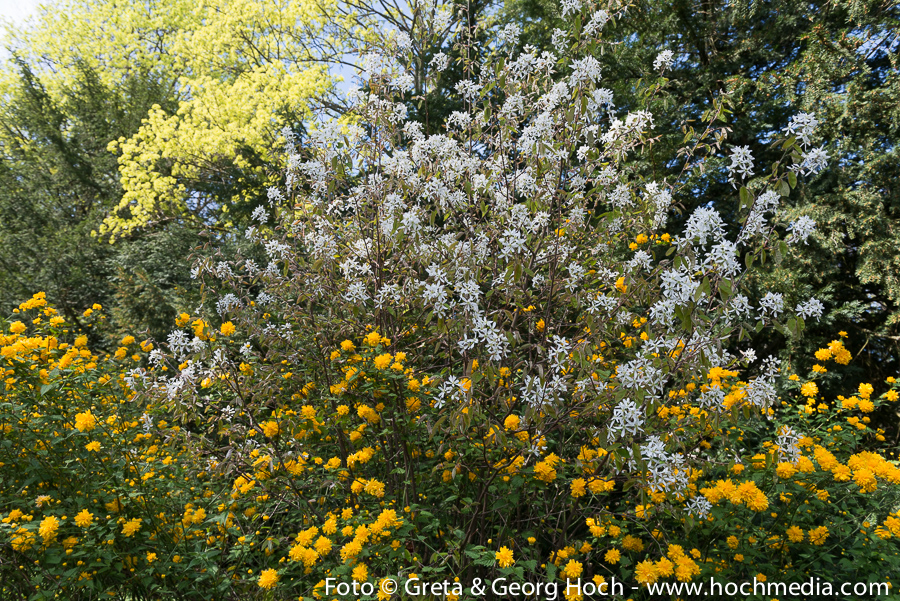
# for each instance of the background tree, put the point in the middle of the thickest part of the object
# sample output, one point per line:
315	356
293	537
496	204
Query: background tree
190	96
836	60
58	180
237	72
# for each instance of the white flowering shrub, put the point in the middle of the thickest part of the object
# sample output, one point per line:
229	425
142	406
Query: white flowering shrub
490	334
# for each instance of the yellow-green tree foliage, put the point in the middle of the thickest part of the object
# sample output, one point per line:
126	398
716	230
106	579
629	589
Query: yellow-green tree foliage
240	70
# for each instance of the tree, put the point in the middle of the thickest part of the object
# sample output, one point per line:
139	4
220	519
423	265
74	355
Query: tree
238	71
837	61
58	181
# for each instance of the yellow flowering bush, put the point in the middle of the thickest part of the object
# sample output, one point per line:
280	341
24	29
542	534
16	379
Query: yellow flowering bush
93	487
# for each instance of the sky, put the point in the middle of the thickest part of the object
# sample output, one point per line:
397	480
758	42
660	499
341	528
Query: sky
17	10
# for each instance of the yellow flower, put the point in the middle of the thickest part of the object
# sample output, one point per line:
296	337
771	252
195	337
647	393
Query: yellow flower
645	572
795	534
865	479
227	328
270	428
577	488
809	389
85	422
665	567
127	340
268	579
540	325
544	471
131	526
49	526
818	535
351	549
573	569
612	556
348	346
360	573
151	557
84	518
841	473
504	557
375	488
383	361
17	327
785	470
620	285
372	338
93	446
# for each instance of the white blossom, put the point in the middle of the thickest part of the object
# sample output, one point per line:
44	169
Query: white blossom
802	125
664	60
802	228
811	308
627	418
509	34
699	507
598	20
570	6
813	162
771	305
468	89
741	163
788	444
259	214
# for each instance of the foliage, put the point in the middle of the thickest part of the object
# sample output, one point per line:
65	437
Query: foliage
837	60
96	495
237	70
58	182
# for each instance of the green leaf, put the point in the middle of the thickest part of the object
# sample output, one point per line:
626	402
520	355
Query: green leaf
784	189
746	198
725	289
792	179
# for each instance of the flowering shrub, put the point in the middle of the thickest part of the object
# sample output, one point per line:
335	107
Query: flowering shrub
483	354
101	497
97	496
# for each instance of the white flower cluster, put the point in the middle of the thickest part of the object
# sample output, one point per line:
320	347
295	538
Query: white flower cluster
787	444
664	60
803	126
741	163
664	471
802	229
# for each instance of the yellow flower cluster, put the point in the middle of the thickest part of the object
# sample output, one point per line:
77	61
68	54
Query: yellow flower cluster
746	493
674	562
